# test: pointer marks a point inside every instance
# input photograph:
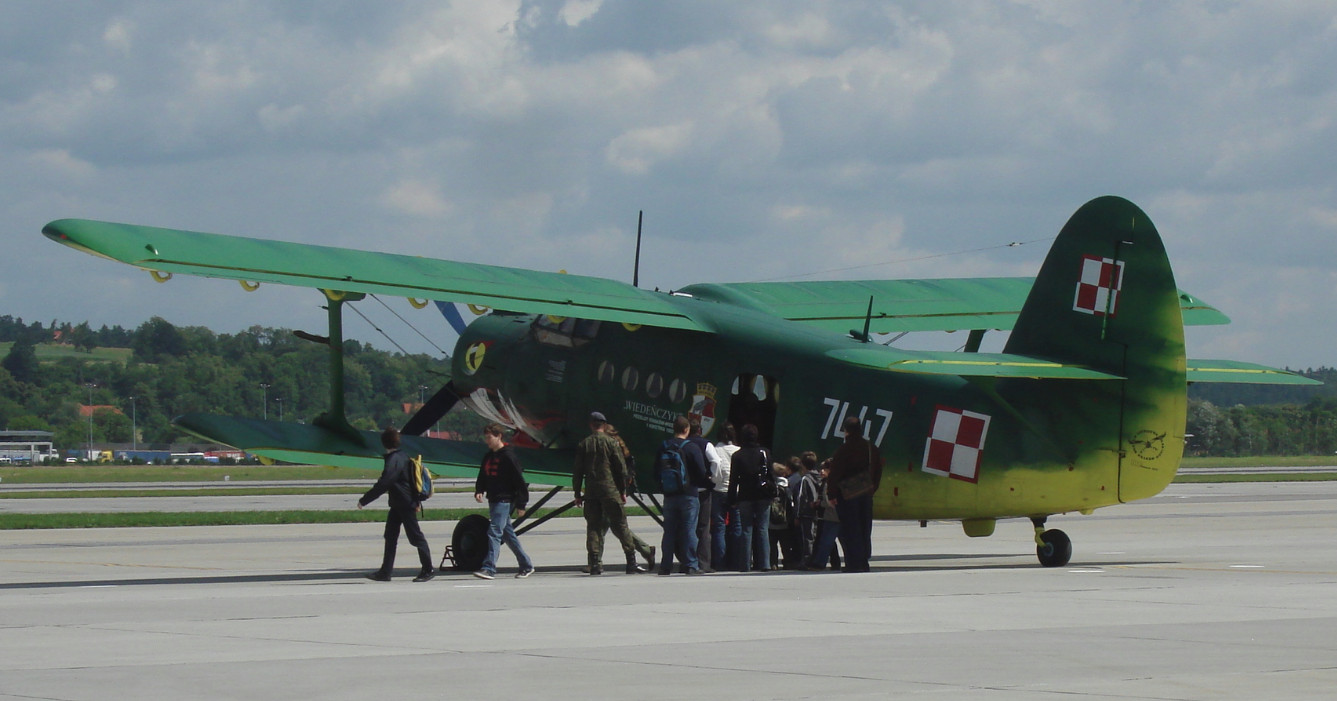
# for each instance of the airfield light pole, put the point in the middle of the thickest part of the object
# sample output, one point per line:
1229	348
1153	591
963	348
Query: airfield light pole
88	454
264	400
280	401
421	390
134	427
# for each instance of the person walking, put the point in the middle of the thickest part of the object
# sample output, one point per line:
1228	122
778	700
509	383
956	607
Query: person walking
599	480
397	480
502	482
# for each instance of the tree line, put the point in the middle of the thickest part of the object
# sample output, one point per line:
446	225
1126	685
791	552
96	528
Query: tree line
269	372
171	370
1227	420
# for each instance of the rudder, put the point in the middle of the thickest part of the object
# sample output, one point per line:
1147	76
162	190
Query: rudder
1106	298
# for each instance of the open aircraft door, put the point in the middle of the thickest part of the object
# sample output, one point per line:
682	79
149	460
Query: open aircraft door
754	399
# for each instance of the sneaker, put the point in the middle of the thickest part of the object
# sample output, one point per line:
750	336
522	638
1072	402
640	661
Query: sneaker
524	573
426	575
484	574
379	576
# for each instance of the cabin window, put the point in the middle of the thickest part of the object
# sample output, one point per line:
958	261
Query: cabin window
564	332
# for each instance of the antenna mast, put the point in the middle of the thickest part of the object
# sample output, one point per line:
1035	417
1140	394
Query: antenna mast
636	270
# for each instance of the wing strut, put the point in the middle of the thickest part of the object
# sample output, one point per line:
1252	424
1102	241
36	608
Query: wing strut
431	412
335	418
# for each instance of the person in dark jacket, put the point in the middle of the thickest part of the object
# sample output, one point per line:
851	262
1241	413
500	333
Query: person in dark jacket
397	480
856	457
502	482
705	487
749	482
681	510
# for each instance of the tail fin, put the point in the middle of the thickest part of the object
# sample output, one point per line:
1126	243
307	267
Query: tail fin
1106	298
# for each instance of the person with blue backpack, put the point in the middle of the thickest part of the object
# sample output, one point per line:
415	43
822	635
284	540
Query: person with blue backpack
680	467
397	480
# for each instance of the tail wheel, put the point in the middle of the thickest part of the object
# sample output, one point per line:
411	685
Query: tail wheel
469	542
1054	548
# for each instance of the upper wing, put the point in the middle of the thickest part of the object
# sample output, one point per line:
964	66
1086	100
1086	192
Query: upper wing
347	270
904	305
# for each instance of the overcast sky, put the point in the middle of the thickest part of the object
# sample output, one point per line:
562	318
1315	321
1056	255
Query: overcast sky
764	140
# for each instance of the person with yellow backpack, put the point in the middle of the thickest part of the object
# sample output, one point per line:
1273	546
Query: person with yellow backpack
398	480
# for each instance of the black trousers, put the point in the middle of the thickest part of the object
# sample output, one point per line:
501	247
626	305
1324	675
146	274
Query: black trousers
408	519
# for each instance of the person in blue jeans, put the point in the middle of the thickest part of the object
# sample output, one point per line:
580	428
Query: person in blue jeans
724	528
502	482
750	485
682	510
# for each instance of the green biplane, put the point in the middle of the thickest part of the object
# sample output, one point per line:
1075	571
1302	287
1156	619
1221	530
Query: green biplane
1085	407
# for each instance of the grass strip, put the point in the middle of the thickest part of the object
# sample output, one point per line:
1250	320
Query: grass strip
204	492
218	492
58	474
231	518
1262	461
1182	478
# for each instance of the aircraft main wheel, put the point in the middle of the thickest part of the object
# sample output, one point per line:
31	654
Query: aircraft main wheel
1056	549
469	542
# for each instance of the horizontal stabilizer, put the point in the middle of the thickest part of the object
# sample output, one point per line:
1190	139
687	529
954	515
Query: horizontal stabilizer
1242	373
314	445
966	364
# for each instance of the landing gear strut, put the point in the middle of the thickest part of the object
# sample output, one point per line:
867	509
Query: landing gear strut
1052	546
469	540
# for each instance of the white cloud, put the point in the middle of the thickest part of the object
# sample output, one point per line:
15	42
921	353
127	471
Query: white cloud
638	150
575	12
119	34
809	135
415	198
60	163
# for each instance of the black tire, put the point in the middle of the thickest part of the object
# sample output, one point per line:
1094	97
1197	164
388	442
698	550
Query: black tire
469	542
1056	550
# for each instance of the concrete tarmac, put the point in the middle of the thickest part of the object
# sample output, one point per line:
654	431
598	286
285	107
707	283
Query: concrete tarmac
1205	592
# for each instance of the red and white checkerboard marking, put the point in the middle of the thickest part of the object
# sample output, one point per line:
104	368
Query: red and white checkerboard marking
956	443
1099	285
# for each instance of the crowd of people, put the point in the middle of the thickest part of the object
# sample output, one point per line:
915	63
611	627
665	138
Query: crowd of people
728	506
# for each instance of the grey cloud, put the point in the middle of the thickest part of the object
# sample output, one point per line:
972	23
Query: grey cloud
769	132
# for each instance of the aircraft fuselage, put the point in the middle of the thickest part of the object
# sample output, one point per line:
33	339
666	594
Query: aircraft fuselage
953	448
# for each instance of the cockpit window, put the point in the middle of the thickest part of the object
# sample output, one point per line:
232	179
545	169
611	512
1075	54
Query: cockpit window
565	332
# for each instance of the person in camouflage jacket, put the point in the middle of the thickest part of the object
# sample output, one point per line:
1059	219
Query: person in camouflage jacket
599	480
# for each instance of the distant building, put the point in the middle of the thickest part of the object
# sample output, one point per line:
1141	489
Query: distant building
26	446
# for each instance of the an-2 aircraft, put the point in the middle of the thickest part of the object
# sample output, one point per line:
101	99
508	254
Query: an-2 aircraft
1085	408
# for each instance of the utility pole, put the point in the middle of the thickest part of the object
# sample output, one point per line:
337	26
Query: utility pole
89	453
264	400
280	401
134	427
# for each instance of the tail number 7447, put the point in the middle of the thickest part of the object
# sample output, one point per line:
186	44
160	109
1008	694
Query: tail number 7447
837	412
